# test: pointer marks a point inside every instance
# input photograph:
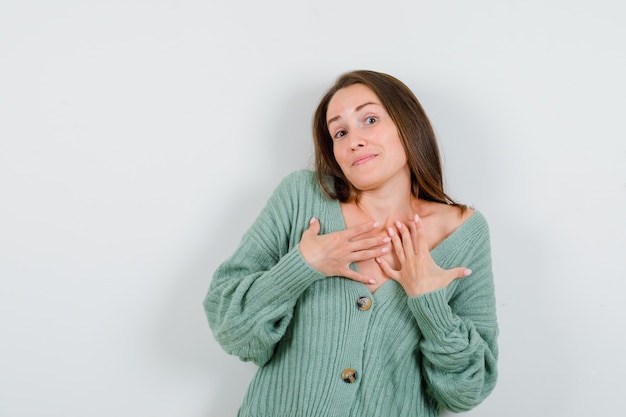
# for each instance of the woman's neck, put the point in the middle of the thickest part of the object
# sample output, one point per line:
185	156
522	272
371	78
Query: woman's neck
387	208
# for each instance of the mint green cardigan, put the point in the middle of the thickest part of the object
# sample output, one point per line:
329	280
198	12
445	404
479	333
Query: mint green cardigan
410	355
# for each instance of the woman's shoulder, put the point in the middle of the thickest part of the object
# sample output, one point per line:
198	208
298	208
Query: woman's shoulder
302	183
300	176
445	220
448	215
298	180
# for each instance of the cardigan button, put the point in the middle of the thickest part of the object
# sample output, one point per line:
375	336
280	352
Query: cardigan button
364	303
349	375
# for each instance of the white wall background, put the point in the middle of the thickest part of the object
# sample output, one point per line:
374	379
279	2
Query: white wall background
139	139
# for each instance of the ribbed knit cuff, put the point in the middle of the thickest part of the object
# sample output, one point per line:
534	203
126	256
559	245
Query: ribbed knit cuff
433	314
289	278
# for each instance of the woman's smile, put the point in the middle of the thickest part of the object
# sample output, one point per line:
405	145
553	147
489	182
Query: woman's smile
363	159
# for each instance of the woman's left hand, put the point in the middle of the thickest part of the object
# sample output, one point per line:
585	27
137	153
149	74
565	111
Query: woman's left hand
418	273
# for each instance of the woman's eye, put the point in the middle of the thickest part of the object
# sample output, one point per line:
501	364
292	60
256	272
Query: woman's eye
340	134
370	120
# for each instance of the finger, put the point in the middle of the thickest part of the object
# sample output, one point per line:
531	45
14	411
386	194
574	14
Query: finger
359	229
459	272
314	226
355	276
387	269
397	245
407	239
422	242
369	243
368	254
413	230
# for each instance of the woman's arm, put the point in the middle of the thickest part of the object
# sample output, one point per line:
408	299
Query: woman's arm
459	328
252	295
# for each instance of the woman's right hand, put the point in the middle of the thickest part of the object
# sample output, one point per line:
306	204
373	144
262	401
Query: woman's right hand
333	253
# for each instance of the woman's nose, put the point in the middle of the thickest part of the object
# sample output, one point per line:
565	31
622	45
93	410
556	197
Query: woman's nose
358	141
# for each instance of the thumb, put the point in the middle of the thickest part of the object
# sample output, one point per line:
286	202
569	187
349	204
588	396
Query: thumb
461	272
314	226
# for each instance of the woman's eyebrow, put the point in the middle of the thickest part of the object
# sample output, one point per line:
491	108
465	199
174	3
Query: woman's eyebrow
359	107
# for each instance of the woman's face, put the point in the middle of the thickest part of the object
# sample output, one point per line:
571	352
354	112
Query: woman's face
366	143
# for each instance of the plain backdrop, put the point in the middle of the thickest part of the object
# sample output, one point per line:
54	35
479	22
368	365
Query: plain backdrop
139	140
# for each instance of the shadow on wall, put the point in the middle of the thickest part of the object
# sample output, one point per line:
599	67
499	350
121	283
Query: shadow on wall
292	137
184	339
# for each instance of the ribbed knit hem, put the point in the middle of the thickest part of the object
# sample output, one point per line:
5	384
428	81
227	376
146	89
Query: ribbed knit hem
290	277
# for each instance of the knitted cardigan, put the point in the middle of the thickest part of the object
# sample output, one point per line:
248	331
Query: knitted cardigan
410	355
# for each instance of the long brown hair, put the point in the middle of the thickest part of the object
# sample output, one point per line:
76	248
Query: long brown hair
414	128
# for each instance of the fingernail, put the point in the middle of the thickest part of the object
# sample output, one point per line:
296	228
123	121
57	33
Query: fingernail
387	240
375	224
467	272
312	220
385	250
417	218
399	225
371	281
390	231
378	259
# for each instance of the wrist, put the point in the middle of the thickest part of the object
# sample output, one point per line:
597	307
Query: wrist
415	289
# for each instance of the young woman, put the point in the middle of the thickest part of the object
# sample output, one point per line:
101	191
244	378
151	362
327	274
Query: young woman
362	289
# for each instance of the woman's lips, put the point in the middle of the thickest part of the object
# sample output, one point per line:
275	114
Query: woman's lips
363	159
